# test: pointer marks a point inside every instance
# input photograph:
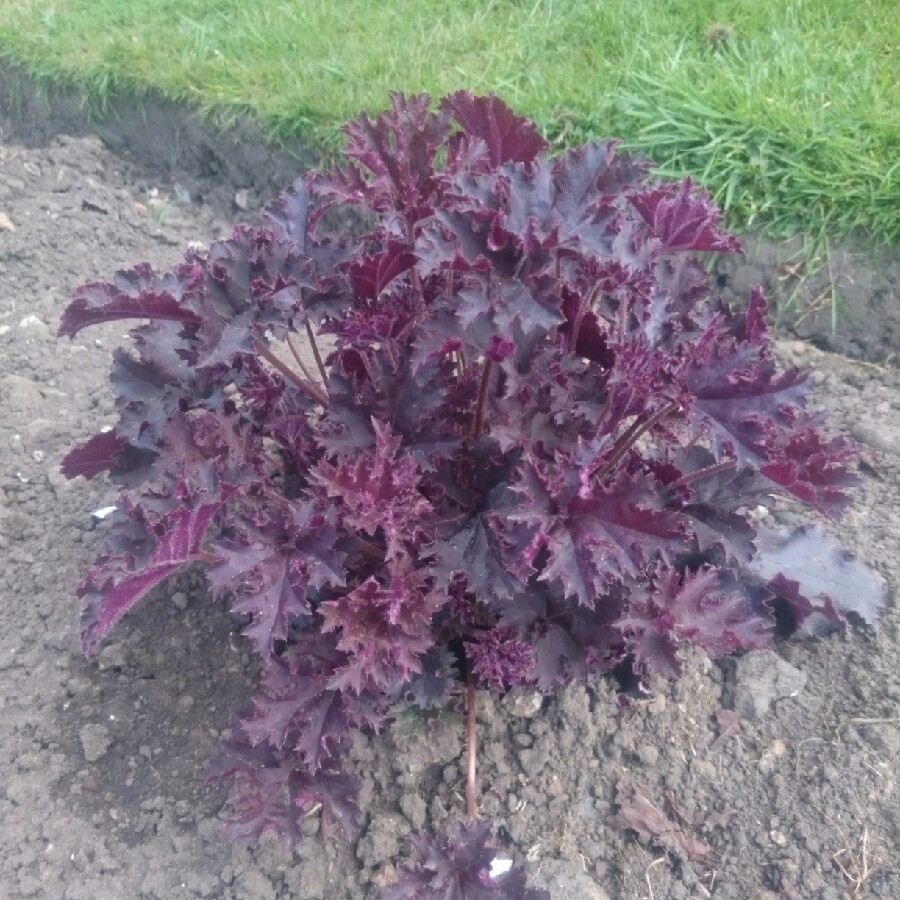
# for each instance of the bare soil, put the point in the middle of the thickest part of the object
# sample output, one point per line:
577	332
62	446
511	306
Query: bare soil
772	776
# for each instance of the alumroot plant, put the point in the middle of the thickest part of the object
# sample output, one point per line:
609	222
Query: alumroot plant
508	436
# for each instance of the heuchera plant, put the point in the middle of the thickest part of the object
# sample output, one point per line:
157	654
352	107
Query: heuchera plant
507	436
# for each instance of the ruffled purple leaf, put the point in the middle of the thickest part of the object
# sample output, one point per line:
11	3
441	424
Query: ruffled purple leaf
138	557
372	274
272	567
383	629
741	403
269	793
288	216
379	492
97	454
682	218
595	537
297	710
715	496
508	137
132	294
822	582
458	867
814	470
698	608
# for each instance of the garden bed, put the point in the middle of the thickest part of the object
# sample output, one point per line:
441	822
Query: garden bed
104	759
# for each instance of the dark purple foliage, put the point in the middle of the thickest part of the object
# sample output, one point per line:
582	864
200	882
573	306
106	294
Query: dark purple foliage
512	418
459	868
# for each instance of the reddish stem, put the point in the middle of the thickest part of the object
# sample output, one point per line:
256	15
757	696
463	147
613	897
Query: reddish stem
416	282
471	805
204	557
478	421
296	352
723	466
275	463
316	354
631	435
310	390
583	307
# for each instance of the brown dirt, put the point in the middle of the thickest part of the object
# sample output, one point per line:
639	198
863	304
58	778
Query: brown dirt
102	795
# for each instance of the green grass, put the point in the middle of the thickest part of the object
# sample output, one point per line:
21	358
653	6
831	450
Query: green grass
791	118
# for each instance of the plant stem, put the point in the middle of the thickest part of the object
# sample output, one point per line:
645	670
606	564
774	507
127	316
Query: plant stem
310	390
392	353
620	448
296	352
316	354
583	307
471	748
607	406
204	557
416	281
478	421
723	466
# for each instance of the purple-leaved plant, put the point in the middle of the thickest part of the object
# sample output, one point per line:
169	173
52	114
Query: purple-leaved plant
508	436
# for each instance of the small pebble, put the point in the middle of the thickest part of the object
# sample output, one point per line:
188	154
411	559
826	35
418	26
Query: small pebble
95	741
523	702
